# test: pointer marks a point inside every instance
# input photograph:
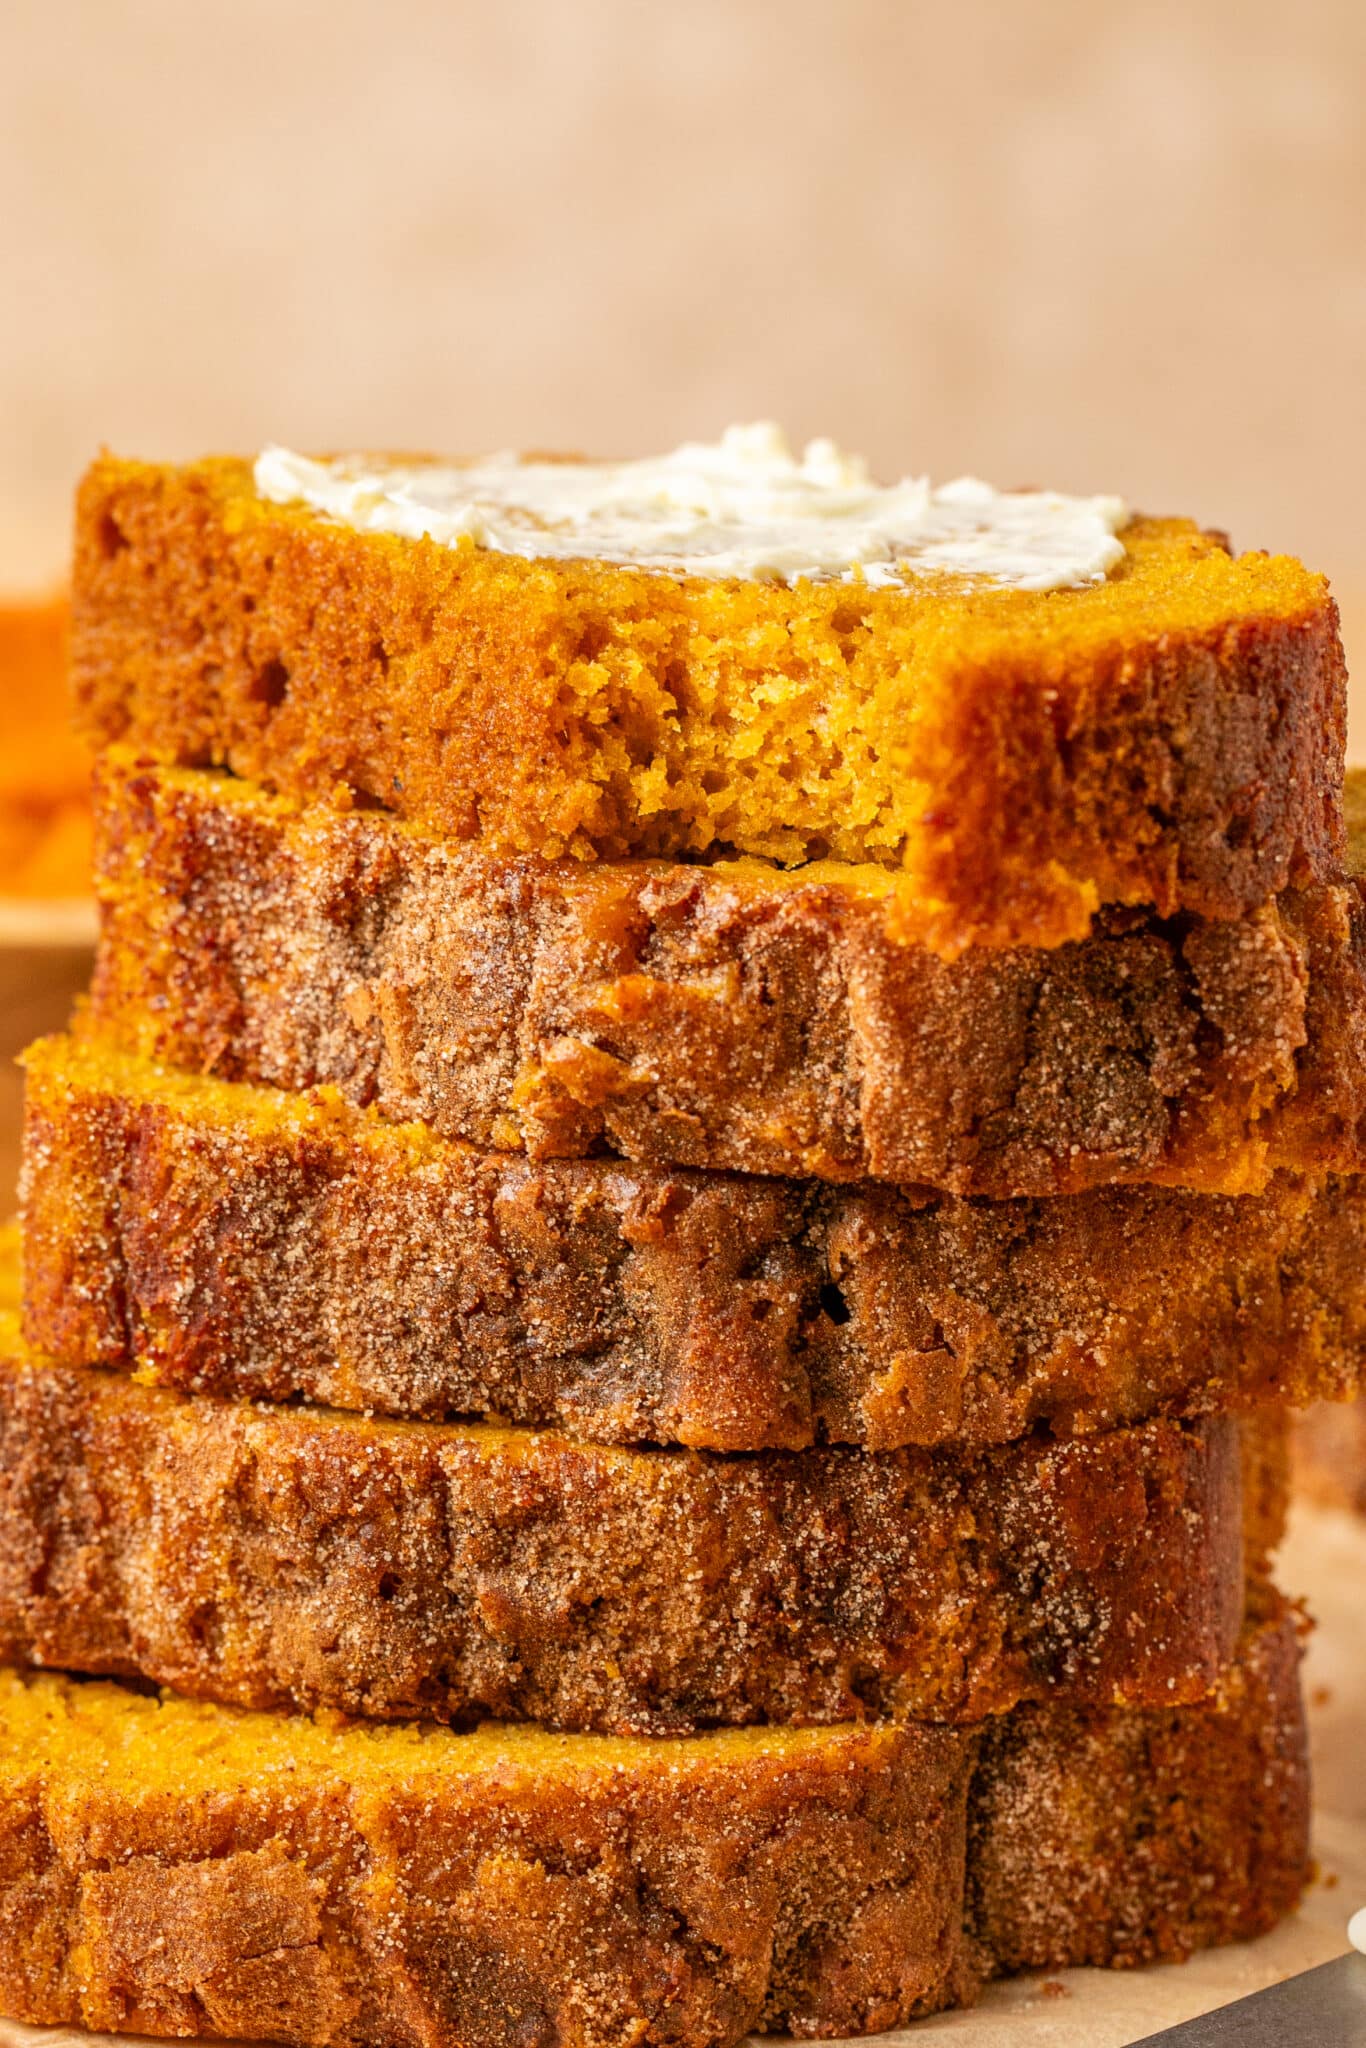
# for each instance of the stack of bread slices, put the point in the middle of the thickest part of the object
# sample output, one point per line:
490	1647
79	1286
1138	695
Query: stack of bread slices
660	1282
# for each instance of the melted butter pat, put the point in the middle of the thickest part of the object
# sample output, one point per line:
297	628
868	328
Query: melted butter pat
743	506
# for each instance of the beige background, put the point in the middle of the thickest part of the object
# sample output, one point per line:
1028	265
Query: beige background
1106	247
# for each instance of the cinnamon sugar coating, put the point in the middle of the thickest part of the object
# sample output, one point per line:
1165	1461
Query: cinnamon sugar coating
267	1557
1130	1838
180	1869
291	1557
720	1017
173	1868
1015	759
244	1242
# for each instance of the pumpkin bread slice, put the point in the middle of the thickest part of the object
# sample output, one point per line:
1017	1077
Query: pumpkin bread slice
267	1556
244	1241
729	1016
1013	758
168	1867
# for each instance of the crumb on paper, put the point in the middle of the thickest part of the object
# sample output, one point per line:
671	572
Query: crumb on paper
1051	1987
1329	1880
1321	1696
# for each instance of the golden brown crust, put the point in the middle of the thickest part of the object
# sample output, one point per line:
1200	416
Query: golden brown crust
831	1891
1329	1455
246	1243
267	1557
1174	736
722	1017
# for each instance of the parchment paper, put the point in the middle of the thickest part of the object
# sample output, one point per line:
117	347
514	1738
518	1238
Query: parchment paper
1324	1559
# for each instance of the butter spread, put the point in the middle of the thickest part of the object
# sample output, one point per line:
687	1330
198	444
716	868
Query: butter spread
743	506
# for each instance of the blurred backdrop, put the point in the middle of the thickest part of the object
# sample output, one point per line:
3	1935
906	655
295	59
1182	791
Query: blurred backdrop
1117	248
1109	248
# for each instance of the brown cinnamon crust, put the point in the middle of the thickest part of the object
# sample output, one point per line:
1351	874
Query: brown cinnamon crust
1172	736
1129	1839
179	1869
1329	1455
243	1242
266	1557
720	1017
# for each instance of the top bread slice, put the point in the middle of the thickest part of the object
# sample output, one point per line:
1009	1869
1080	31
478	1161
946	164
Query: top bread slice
1014	759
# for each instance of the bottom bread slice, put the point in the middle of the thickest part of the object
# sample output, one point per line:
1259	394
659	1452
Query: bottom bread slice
168	1867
